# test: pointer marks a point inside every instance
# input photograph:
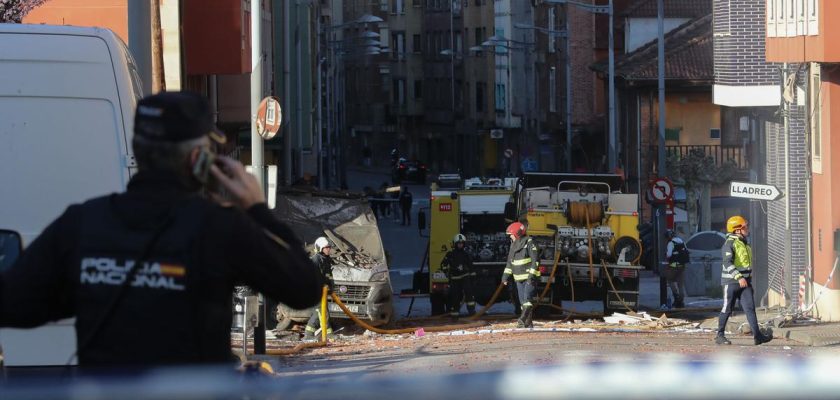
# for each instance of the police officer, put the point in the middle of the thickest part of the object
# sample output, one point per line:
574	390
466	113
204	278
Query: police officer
523	265
737	281
678	257
458	267
148	273
324	263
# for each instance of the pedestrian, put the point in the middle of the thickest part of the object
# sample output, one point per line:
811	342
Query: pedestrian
384	205
737	280
405	204
324	263
523	266
678	257
148	273
394	204
458	267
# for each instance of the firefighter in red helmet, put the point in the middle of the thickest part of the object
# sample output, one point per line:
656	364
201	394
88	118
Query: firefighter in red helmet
523	266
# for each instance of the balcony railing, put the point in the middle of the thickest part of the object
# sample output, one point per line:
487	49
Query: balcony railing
721	154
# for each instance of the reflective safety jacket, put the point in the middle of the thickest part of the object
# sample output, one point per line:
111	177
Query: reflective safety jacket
523	261
737	259
457	264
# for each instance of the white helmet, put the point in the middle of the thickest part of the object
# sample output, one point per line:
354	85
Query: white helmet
320	243
459	238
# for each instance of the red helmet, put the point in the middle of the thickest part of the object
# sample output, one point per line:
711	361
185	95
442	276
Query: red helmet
516	229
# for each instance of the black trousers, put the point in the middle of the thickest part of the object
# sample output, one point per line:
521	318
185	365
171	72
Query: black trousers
463	288
526	291
732	292
406	216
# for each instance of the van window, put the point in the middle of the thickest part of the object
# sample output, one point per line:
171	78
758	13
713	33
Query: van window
9	248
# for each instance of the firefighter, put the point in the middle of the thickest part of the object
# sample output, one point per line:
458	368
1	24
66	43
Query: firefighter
458	267
324	263
678	257
736	280
523	265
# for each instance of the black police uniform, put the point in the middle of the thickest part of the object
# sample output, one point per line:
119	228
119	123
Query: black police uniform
458	267
324	264
183	254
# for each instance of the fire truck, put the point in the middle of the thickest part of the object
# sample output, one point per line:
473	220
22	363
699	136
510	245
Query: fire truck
589	229
475	209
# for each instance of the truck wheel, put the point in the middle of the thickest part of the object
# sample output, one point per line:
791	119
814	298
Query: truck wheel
438	303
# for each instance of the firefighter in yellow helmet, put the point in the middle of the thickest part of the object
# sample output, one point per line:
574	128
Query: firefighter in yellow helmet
523	265
737	280
458	267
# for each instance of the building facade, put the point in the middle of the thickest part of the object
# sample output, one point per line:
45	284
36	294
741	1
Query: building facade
801	35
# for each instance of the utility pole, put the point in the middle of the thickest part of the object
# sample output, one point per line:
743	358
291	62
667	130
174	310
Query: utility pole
257	142
140	40
568	92
611	151
659	232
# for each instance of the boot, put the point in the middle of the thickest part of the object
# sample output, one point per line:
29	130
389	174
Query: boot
520	323
722	340
308	336
470	310
529	317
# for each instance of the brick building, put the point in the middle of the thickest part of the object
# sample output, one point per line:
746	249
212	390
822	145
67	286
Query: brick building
755	117
801	34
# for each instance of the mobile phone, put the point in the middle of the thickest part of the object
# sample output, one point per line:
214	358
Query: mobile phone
201	168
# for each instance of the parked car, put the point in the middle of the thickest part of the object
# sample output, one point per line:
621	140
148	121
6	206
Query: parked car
406	170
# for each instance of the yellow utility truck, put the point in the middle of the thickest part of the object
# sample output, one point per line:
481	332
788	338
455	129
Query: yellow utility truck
476	210
585	226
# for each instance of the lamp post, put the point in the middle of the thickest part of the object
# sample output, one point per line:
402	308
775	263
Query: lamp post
332	52
598	9
563	34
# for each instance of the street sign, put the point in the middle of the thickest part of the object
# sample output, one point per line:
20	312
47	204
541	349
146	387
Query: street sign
269	117
508	153
661	190
754	191
497	134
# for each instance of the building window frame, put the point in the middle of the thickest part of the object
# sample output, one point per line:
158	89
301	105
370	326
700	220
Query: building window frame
815	104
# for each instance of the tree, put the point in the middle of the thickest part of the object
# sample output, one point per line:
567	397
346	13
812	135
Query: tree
13	11
697	172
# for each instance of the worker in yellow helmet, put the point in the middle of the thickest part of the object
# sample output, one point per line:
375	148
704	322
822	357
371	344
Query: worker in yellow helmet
737	280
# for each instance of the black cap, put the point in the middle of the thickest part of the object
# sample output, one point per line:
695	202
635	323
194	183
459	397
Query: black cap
175	117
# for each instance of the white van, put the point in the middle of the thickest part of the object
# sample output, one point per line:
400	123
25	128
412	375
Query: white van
67	100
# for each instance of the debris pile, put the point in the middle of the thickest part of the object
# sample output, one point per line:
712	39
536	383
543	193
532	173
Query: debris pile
356	259
644	319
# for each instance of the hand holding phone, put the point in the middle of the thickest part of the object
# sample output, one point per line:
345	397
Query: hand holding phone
244	189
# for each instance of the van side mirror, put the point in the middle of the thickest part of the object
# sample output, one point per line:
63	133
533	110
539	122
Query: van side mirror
421	219
11	246
510	211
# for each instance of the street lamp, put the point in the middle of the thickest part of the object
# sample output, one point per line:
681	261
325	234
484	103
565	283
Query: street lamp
597	9
564	34
370	47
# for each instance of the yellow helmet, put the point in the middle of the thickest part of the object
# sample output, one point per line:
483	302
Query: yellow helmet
734	223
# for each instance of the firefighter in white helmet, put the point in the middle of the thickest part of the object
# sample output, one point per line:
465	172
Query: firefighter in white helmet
324	263
458	267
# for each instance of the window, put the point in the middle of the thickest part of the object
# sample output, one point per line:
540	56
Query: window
552	89
478	38
398	7
458	43
816	118
714	133
399	91
790	17
501	97
418	89
417	44
551	27
813	17
383	5
771	18
398	45
801	17
480	88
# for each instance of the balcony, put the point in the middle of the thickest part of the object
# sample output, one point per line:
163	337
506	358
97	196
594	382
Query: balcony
719	153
